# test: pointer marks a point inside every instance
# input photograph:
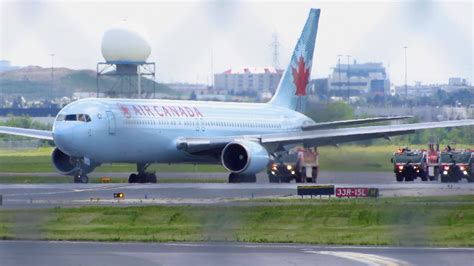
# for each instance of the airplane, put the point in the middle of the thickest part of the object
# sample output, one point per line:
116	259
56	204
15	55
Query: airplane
240	136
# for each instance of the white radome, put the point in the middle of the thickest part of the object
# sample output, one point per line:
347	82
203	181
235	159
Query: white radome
125	42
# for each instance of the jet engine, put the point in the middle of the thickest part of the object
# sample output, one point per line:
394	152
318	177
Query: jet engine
244	157
68	165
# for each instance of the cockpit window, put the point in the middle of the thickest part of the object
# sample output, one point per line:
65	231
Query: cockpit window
71	117
74	117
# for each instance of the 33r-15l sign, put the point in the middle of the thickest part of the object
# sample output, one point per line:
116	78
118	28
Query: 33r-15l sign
351	192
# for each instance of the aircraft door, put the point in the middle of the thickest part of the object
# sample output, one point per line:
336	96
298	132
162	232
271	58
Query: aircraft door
111	122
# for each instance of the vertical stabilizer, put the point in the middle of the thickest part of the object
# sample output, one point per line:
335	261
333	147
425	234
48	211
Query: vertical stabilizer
291	91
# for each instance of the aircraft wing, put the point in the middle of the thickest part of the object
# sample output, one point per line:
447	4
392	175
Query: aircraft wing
32	133
316	137
334	124
341	135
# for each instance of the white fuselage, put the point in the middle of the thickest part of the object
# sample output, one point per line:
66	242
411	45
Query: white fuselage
133	131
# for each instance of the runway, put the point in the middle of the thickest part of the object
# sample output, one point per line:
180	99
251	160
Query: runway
325	177
42	253
51	195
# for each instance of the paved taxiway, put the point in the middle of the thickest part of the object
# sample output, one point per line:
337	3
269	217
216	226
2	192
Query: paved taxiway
50	195
38	253
332	177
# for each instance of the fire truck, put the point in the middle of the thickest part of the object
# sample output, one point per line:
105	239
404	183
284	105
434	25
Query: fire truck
456	165
283	168
300	165
409	165
433	161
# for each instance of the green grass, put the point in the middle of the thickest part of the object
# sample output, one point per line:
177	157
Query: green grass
39	161
345	158
444	221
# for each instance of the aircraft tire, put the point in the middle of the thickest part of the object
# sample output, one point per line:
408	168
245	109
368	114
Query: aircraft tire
133	178
84	179
77	179
151	178
234	178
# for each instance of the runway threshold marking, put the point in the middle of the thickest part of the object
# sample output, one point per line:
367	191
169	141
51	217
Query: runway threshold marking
368	259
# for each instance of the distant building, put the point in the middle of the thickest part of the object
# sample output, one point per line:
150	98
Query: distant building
359	79
419	90
249	79
187	87
457	81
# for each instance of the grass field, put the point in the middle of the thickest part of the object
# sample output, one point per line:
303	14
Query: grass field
443	221
344	158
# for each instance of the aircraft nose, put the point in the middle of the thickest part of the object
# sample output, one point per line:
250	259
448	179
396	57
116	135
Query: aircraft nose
63	138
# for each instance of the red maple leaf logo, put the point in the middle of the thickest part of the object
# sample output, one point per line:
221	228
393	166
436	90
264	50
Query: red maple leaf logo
300	77
124	110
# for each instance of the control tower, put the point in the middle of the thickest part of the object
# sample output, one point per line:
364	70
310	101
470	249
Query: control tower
125	48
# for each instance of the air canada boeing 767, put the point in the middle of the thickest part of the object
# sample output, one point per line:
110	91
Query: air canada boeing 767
240	136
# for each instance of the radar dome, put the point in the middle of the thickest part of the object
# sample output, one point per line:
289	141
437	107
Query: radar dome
125	42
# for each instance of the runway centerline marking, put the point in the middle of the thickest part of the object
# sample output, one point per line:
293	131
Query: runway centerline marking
368	259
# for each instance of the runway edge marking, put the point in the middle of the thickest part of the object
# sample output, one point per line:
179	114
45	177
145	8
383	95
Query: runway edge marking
368	259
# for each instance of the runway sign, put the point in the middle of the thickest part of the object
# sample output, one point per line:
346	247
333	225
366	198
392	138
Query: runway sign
351	192
315	190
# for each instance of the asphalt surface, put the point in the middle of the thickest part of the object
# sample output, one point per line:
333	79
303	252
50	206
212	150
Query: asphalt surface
39	253
51	195
333	177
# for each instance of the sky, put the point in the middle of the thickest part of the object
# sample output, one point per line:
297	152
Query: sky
192	39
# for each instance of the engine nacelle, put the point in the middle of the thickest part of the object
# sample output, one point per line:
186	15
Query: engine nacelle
244	157
68	165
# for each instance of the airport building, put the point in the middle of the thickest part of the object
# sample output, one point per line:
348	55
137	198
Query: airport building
248	79
369	79
427	90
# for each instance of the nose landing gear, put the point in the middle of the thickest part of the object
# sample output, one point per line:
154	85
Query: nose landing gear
142	176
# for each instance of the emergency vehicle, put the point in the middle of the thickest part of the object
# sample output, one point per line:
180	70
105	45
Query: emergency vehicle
283	168
433	161
409	165
300	165
456	165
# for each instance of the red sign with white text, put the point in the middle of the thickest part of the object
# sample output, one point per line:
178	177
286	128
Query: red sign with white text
351	192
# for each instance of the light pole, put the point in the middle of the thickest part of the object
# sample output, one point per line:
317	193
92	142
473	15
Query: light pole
339	71
406	73
348	78
52	76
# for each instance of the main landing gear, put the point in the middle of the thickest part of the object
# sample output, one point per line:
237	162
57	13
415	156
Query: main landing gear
81	178
142	176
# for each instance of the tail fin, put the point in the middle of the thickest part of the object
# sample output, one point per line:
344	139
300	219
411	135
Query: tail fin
291	92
